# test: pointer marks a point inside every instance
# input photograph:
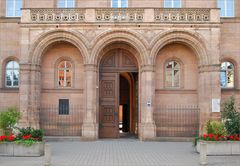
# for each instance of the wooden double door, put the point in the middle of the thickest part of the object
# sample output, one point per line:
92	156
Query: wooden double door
113	63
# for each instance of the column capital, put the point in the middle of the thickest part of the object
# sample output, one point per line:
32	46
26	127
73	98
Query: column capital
90	67
29	67
209	68
147	68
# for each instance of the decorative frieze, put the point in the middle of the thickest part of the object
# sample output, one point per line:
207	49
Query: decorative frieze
57	15
119	15
182	15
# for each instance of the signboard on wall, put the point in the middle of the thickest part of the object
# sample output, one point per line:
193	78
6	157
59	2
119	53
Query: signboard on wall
215	105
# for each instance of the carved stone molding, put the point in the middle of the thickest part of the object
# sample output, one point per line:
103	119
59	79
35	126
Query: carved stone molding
182	15
57	15
209	68
119	15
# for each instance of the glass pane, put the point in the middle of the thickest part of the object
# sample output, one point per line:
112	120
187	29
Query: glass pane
8	75
168	3
61	65
61	78
8	83
169	65
10	65
177	3
16	75
68	79
61	3
176	78
15	65
9	8
223	66
230	79
168	79
18	7
115	3
70	3
221	4
68	64
230	8
15	83
124	3
223	76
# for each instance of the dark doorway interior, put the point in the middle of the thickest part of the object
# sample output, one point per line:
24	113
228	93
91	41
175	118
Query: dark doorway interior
127	104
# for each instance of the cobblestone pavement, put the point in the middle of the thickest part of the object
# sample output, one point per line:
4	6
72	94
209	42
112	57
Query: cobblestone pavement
122	152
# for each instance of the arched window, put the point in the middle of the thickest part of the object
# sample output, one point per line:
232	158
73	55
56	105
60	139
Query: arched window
12	74
227	75
66	4
172	74
65	74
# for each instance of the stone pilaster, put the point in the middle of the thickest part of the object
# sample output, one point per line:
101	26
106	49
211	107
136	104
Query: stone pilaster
208	89
90	126
29	94
147	98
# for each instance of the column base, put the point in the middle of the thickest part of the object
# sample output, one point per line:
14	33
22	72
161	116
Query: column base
90	131
147	131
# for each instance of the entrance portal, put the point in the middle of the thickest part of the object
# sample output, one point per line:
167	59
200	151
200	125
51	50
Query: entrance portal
118	94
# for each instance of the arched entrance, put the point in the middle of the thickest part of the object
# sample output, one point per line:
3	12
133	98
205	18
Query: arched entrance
118	89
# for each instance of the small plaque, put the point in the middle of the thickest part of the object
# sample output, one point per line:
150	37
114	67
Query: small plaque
215	105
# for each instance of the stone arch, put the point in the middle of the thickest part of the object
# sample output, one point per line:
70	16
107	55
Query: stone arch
51	37
190	39
126	37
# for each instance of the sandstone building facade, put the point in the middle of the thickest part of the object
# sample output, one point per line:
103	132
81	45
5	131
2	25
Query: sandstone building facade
100	68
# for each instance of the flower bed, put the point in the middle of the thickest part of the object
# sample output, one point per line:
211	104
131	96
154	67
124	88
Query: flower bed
223	145
27	142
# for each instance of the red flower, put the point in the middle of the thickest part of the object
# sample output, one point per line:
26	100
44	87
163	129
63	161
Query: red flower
222	136
3	138
25	137
210	135
231	137
216	138
239	139
11	137
204	135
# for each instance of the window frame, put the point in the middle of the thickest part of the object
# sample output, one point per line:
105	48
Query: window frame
65	4
12	70
172	79
233	70
172	6
14	8
225	9
120	4
58	69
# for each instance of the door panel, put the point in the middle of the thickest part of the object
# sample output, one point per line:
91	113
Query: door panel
108	121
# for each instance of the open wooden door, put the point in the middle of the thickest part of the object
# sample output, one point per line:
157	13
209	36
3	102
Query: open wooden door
108	120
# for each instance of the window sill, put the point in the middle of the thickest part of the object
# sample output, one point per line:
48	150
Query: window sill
9	90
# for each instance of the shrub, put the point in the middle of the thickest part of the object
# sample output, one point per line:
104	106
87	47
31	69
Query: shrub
8	119
231	116
35	134
215	128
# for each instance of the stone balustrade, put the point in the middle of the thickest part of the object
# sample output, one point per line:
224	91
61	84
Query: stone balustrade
129	15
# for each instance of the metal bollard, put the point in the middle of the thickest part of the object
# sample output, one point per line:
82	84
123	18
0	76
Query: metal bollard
203	153
47	155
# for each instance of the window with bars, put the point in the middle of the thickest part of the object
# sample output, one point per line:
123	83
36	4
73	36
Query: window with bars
227	8
172	74
119	3
227	75
172	3
63	108
13	8
12	74
66	4
65	74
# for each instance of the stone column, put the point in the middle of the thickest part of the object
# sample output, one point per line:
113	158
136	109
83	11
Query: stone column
29	95
208	89
90	127
147	98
